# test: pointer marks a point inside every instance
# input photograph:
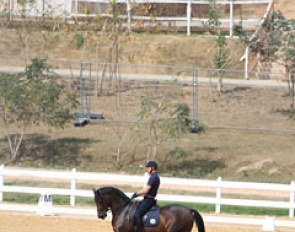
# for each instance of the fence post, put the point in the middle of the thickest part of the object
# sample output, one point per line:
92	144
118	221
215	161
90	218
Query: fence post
73	187
1	181
292	199
64	11
189	16
246	63
231	22
128	8
218	195
76	9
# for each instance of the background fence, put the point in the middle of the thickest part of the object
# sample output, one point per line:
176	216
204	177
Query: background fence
258	104
249	119
187	14
72	177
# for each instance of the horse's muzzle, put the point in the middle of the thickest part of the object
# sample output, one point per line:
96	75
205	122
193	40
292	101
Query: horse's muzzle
102	215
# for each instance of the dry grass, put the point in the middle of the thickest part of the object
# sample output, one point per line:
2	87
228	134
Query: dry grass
135	48
255	155
287	7
233	154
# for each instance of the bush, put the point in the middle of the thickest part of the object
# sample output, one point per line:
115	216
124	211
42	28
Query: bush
79	40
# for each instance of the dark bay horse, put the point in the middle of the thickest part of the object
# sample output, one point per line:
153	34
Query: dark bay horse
173	218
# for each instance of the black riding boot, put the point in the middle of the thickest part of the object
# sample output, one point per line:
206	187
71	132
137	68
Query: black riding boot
144	207
138	227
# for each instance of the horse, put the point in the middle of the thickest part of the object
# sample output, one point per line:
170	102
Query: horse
173	218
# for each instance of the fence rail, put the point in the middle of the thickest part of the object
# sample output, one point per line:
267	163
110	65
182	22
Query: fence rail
70	9
201	82
217	185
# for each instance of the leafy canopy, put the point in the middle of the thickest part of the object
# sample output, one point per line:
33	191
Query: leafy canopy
35	95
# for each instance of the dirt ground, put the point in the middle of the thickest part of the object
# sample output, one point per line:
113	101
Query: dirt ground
14	222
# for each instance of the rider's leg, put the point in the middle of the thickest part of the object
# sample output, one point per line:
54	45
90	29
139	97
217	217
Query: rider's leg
144	206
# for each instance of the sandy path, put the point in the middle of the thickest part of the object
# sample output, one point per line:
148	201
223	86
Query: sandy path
15	222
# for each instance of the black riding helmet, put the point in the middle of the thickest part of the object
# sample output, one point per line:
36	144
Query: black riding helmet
152	164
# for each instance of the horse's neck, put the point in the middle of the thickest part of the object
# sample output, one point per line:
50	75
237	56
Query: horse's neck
123	215
117	203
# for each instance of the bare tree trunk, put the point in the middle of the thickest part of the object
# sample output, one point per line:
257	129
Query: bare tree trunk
15	145
220	82
118	132
112	58
118	160
18	138
148	157
288	77
155	137
292	92
155	151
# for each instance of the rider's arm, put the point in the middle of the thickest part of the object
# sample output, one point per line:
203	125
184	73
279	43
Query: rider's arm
144	191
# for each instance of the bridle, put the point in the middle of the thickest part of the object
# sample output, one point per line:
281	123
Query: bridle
102	212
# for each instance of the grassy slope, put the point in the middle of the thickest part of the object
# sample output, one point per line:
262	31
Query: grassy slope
137	48
231	154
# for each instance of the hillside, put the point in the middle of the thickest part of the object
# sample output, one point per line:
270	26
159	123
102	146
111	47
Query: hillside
250	136
248	154
139	48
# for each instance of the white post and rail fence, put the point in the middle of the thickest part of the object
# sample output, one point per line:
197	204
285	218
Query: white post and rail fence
45	205
72	9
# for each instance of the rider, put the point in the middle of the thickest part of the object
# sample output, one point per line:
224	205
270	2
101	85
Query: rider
149	193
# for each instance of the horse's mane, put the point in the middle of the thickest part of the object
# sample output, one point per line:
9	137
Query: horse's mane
114	191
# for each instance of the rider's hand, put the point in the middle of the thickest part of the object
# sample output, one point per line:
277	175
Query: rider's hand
134	195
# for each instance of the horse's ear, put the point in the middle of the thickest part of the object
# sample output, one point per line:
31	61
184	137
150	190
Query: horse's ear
94	191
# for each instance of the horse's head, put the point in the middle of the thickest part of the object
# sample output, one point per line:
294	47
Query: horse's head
101	204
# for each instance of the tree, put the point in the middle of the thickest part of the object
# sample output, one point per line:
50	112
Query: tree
118	128
109	82
33	97
161	120
220	57
110	77
116	30
220	60
213	16
275	42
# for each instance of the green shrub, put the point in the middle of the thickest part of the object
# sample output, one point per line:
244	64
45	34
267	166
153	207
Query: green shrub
79	39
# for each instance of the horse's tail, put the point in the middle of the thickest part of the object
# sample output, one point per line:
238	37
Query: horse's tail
199	221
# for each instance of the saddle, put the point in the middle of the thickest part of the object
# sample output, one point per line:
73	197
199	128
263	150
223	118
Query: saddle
150	219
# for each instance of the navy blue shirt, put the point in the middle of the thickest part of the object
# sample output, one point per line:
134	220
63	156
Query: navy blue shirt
154	182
